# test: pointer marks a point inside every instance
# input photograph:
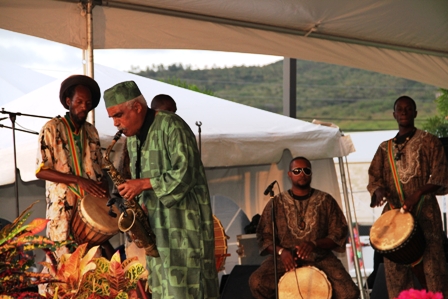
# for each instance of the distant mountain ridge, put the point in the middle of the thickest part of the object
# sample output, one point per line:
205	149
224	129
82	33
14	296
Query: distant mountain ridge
353	99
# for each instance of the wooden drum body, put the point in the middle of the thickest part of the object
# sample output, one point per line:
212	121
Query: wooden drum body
91	222
306	282
220	244
398	237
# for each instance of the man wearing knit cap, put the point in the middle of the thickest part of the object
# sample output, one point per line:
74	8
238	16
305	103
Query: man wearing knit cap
69	158
169	181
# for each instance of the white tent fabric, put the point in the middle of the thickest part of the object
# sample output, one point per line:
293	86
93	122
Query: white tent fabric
16	81
232	134
405	38
366	144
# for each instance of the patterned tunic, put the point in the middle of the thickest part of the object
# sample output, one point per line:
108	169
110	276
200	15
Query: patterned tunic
323	219
423	162
179	210
54	153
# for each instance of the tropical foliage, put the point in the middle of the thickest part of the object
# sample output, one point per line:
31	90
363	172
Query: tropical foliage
17	241
80	274
438	124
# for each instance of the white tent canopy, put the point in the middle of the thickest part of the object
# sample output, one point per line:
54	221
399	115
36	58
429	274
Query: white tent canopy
367	144
232	134
16	81
404	38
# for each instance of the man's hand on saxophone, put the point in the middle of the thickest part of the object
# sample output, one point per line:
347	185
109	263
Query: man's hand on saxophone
131	188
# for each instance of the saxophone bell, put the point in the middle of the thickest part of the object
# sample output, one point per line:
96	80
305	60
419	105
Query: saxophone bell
130	224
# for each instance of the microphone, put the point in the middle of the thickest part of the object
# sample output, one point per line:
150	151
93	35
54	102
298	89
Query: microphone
3	118
269	188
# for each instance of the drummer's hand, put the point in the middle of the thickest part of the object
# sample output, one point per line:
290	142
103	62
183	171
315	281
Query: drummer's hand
105	186
380	197
411	201
304	250
132	188
288	260
92	187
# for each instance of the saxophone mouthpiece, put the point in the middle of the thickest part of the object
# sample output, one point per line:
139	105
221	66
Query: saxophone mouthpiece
118	135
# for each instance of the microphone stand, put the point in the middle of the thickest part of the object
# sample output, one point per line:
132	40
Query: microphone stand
199	124
12	117
274	243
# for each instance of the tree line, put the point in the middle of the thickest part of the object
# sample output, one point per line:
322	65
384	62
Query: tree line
353	99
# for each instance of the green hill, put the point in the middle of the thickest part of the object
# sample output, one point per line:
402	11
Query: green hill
353	99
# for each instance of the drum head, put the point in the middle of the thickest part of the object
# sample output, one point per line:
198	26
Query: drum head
96	213
306	282
391	230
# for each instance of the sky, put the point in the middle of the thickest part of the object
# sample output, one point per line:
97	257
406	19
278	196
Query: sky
57	59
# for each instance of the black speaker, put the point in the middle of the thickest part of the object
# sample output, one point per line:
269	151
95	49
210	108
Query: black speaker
237	283
379	290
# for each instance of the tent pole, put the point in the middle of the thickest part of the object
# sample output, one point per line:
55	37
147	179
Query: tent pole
350	225
290	87
89	51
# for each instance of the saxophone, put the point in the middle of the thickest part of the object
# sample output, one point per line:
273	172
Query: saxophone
133	220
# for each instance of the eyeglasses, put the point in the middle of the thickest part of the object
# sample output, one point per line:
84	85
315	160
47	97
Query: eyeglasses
297	171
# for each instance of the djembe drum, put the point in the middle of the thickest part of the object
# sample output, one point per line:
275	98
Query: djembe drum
398	237
306	282
91	222
220	244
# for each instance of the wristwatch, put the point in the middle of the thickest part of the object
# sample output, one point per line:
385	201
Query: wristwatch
280	251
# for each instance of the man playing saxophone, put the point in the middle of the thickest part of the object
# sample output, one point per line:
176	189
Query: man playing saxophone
169	182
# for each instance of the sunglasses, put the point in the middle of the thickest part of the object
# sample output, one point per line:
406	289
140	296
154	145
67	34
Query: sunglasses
297	171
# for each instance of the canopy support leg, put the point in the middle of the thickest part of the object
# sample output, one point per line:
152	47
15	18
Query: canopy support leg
350	225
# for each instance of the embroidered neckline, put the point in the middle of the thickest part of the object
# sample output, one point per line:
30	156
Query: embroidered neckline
301	212
300	197
400	143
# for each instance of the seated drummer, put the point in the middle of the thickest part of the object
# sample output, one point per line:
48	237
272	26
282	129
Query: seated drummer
310	224
69	158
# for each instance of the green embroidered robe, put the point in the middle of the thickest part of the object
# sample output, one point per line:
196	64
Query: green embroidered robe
179	210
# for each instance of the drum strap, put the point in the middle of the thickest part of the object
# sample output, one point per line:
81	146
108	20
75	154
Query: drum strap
72	145
400	192
396	177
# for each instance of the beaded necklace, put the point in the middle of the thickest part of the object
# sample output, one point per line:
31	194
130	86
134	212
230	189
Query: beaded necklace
400	144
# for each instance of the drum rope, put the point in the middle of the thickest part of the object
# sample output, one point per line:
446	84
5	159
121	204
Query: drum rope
297	283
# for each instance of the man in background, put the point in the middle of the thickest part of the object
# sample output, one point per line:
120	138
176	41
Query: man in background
163	102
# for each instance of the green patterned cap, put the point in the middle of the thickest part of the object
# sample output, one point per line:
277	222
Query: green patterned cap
121	93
